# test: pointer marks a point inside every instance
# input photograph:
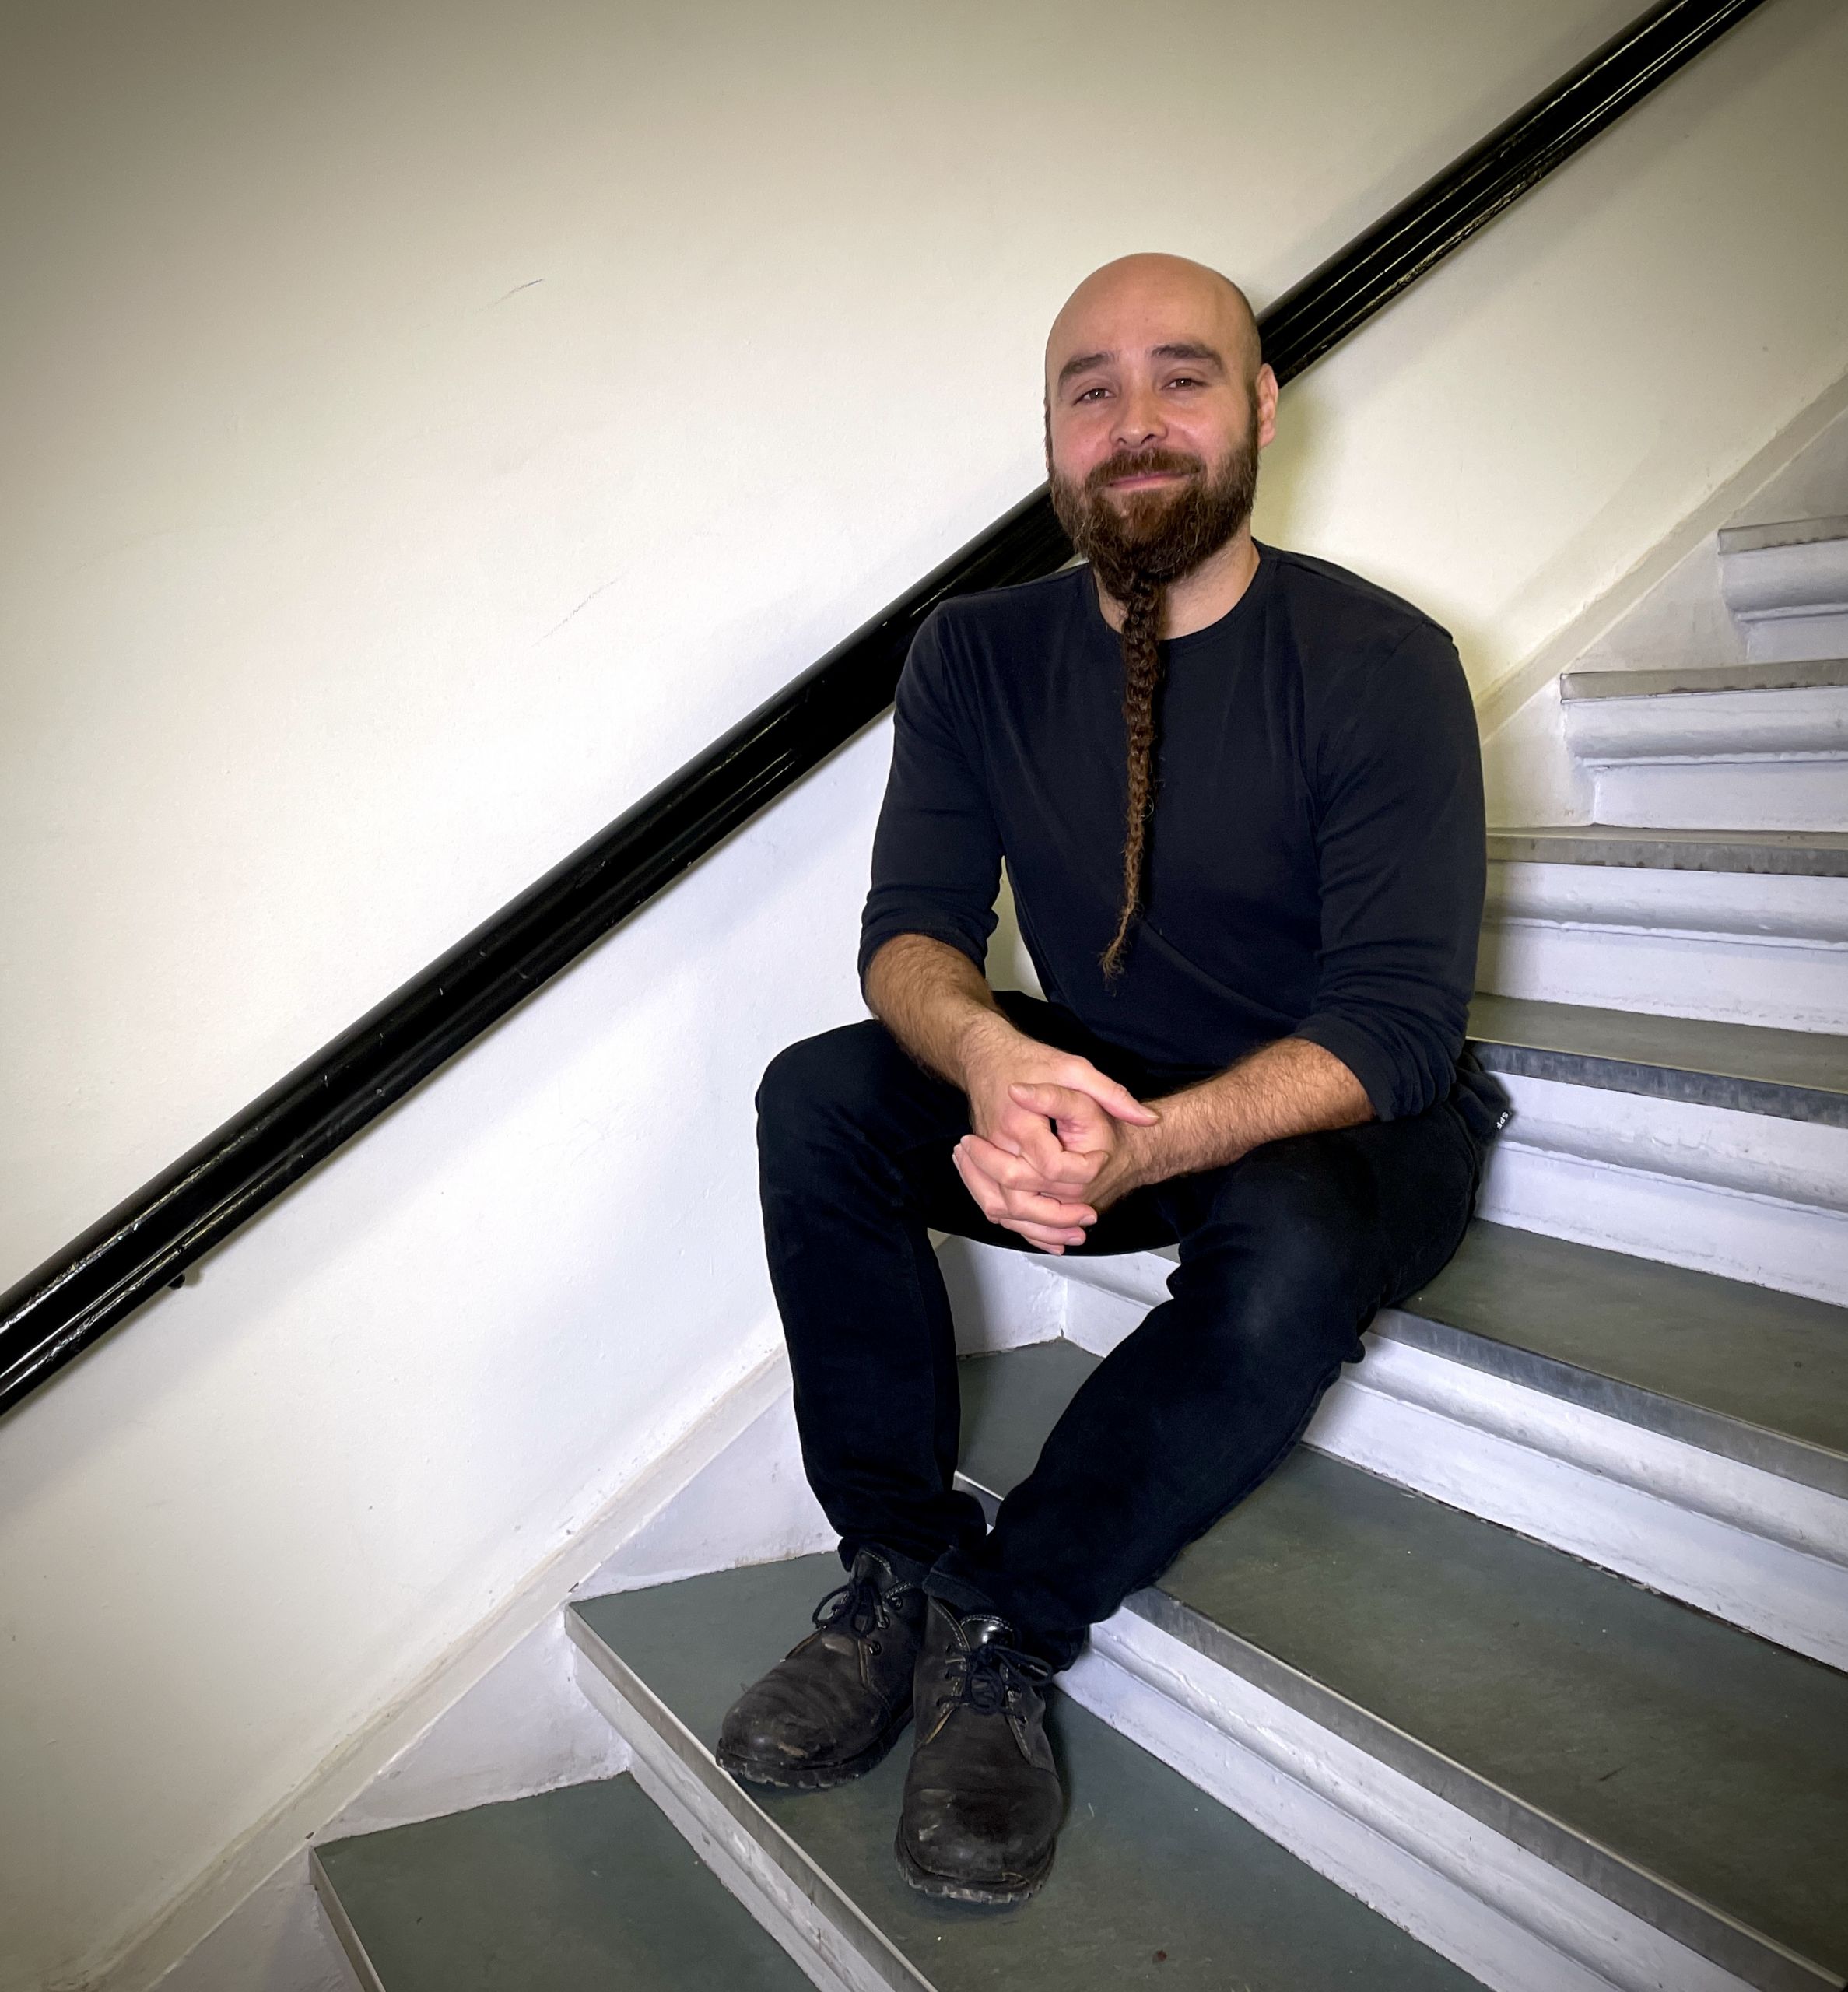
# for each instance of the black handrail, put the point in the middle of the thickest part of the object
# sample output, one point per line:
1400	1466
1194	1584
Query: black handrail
147	1242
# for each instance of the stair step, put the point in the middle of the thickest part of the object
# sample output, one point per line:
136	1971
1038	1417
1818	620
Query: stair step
1793	1076
1691	1773
1153	1883
1787	587
1754	746
1687	1431
1766	854
1789	532
1743	1371
1735	927
579	1890
1670	681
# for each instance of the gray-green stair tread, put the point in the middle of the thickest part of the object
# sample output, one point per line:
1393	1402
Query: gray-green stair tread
580	1890
1750	1068
1669	681
1765	854
1686	1747
1757	1375
1147	1863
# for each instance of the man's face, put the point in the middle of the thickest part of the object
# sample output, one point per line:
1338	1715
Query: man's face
1150	397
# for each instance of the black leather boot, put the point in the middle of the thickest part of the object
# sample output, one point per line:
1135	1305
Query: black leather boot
837	1703
983	1800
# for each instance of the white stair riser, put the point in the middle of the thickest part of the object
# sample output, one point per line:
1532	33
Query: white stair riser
1791	601
1747	905
1502	1914
1797	639
1720	976
1747	1195
1716	760
1792	1247
1723	795
1732	946
1525	1476
1747	1545
1705	726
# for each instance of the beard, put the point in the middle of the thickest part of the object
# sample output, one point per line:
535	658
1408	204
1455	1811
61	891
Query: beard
1137	546
1150	538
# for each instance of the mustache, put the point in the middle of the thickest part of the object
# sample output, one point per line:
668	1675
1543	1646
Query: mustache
1142	463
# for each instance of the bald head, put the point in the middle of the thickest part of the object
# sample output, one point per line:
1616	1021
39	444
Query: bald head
1138	304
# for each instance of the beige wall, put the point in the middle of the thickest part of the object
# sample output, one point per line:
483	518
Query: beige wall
421	428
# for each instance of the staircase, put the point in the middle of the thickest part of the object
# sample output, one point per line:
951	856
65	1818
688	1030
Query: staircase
1530	1668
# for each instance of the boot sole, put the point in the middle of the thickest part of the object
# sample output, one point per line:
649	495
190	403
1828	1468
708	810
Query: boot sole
814	1777
947	1888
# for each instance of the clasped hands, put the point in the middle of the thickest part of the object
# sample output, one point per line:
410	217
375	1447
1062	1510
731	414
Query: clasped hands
1053	1140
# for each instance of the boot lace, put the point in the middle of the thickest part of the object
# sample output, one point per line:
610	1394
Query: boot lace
859	1603
986	1675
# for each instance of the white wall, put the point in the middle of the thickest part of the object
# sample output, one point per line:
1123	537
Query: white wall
422	428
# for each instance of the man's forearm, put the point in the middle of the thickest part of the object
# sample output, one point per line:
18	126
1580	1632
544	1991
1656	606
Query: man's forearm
934	1000
1291	1087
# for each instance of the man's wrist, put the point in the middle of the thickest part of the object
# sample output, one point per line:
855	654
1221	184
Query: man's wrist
982	1035
1139	1157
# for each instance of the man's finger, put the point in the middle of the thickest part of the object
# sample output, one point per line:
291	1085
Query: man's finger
1082	1076
1022	1132
1081	1122
1062	1157
1052	1239
1014	1172
986	1192
978	1163
1047	1210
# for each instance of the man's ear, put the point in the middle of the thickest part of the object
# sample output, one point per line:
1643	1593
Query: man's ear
1264	392
1045	423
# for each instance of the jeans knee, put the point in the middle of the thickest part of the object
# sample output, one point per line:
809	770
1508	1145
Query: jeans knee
1290	1282
818	1086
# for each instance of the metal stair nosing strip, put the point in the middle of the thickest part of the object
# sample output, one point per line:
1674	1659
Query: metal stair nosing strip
1692	681
777	1877
1461	1317
1784	532
1462	1329
1749	1069
1760	854
1757	1959
1719	1433
348	1938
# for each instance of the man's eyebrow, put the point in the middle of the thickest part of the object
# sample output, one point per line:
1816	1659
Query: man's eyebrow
1175	349
1082	364
1187	349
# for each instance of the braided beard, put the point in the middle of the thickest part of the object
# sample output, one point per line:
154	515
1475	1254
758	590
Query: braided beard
1136	549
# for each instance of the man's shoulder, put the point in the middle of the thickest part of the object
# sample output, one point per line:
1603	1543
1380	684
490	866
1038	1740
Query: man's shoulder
1347	614
1002	617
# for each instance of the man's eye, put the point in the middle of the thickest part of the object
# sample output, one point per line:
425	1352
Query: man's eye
1186	380
1089	391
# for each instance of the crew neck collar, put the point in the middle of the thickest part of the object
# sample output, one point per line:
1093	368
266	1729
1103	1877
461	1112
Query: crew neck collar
1221	626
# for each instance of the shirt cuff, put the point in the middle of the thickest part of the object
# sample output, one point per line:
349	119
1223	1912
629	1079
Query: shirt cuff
874	939
1374	1066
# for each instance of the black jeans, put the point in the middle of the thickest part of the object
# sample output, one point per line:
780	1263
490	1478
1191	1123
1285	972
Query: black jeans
1286	1256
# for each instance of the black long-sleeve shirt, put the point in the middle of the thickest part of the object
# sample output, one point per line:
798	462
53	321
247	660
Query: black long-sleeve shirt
1317	852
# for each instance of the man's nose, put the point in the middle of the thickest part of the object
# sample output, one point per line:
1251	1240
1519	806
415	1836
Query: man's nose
1139	419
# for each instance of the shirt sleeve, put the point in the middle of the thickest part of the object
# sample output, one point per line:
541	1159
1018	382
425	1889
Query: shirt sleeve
936	862
1403	857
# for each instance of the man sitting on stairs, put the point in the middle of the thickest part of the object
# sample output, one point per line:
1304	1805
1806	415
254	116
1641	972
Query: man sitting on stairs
1238	794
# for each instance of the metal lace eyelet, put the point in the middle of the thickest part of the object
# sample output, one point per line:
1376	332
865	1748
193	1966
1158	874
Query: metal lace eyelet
873	1645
